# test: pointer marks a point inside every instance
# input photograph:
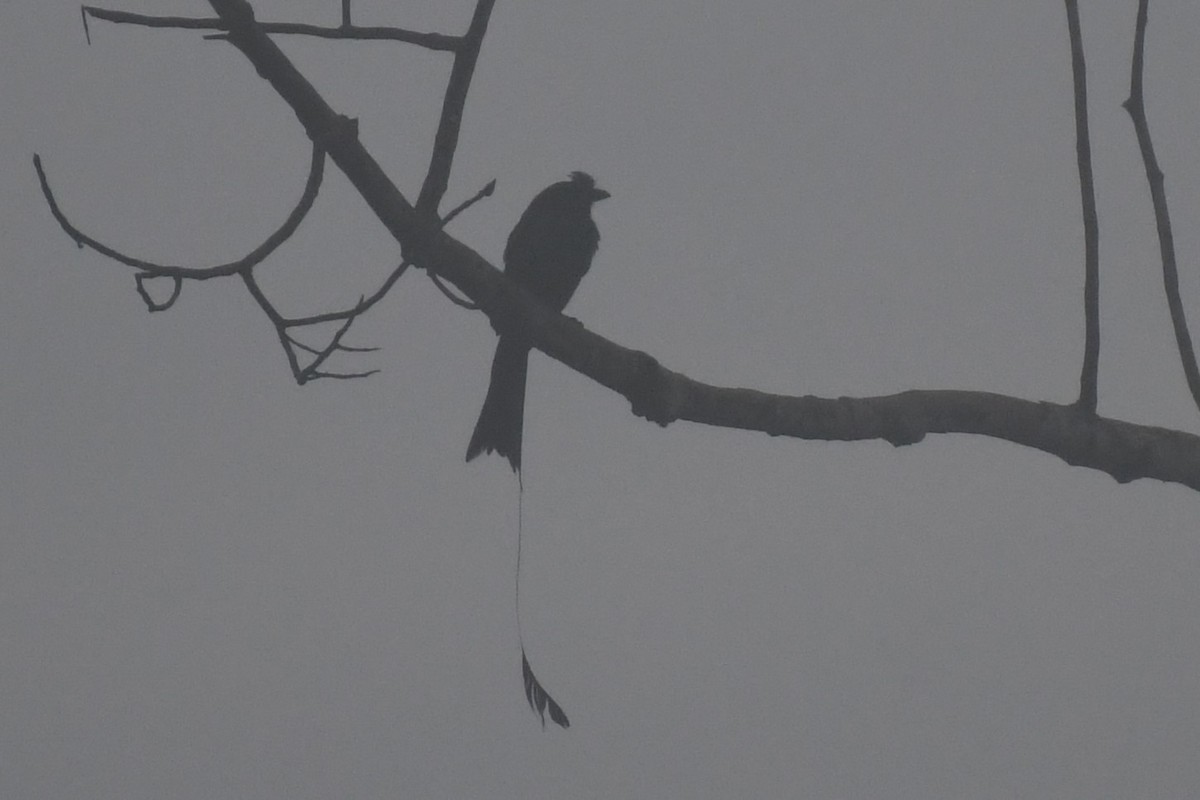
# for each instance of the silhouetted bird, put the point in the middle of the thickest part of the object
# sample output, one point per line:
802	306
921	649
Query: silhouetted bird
548	253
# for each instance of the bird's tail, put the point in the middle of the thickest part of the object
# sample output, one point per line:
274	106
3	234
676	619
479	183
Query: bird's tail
503	415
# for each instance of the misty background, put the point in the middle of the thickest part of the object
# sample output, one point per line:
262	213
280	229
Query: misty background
217	584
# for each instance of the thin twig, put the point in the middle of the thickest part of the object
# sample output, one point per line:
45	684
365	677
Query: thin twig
301	345
1136	107
256	292
276	318
344	376
311	370
431	41
486	191
358	309
1091	227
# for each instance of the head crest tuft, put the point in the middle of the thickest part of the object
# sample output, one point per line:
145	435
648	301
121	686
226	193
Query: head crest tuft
583	179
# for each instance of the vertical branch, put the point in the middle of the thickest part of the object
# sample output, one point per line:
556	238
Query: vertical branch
345	13
1136	107
446	140
1091	225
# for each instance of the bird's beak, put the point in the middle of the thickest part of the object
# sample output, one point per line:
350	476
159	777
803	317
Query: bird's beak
599	194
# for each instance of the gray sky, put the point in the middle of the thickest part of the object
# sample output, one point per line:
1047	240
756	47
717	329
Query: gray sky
216	584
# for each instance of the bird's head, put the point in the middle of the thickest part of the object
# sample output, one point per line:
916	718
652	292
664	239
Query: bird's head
586	185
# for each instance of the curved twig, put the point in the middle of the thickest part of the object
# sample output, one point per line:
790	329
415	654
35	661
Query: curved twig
151	304
451	296
152	269
1136	107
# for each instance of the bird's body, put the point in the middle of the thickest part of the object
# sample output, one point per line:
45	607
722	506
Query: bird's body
548	253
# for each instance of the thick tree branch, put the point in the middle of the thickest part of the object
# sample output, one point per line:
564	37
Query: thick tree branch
1123	450
1136	107
1091	227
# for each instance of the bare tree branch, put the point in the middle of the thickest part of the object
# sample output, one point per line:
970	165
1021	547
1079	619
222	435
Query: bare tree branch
1136	107
1072	432
430	41
1123	450
1088	377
